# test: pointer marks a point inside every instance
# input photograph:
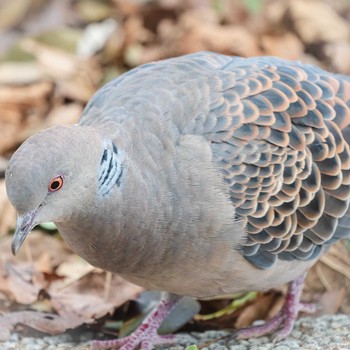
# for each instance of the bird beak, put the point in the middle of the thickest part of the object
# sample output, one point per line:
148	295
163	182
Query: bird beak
24	225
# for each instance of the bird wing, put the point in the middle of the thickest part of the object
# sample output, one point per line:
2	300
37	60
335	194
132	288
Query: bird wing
279	132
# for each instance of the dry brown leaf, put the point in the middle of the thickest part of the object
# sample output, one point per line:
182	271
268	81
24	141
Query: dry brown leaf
323	277
44	322
20	73
64	115
7	212
316	21
338	54
73	269
25	96
8	217
330	302
46	252
135	32
60	83
57	63
20	106
286	46
198	31
43	263
76	77
84	301
78	296
330	274
274	14
265	306
86	296
337	260
21	282
12	12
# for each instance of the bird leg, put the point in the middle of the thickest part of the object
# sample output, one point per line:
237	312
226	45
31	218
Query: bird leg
285	318
146	334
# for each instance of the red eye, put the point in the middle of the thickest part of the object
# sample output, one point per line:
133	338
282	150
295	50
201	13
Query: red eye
56	183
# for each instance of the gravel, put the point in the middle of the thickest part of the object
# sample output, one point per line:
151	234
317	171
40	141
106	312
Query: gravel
327	332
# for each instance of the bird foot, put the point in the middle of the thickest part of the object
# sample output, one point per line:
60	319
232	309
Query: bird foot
146	334
143	338
285	318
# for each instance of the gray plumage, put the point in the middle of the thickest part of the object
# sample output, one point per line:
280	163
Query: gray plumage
200	175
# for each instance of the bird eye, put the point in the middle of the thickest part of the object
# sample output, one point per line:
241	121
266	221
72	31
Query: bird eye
56	183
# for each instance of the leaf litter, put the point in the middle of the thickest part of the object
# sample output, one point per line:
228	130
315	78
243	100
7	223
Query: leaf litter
55	54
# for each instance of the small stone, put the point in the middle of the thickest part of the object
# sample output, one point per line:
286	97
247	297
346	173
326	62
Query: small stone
51	347
258	323
282	347
62	338
34	346
339	339
238	347
258	347
50	340
217	347
28	340
296	334
307	323
9	345
290	343
260	340
15	337
244	342
40	341
87	337
65	346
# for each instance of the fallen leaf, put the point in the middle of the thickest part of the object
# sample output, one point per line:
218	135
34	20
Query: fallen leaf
21	282
44	322
66	114
264	307
286	46
317	21
197	32
12	12
338	54
7	212
15	73
330	302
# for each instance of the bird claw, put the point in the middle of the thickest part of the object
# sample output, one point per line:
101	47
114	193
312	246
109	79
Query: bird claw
143	339
283	317
286	317
146	334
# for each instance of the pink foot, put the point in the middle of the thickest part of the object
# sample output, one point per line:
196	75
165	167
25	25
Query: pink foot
146	334
285	318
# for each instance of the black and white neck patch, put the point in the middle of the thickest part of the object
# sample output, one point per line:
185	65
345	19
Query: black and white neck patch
111	168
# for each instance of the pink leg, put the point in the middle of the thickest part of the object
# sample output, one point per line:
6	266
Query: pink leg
146	334
286	317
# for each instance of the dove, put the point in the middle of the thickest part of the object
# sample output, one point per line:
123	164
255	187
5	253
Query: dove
201	175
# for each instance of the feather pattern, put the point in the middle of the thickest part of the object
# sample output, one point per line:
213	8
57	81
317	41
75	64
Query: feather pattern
111	169
278	132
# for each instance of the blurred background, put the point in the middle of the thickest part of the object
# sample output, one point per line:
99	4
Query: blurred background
54	54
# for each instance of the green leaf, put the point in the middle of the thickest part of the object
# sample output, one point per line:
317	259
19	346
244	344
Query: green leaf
253	6
64	38
192	347
218	6
50	226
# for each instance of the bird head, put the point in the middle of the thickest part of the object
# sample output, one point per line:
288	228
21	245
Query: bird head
48	178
